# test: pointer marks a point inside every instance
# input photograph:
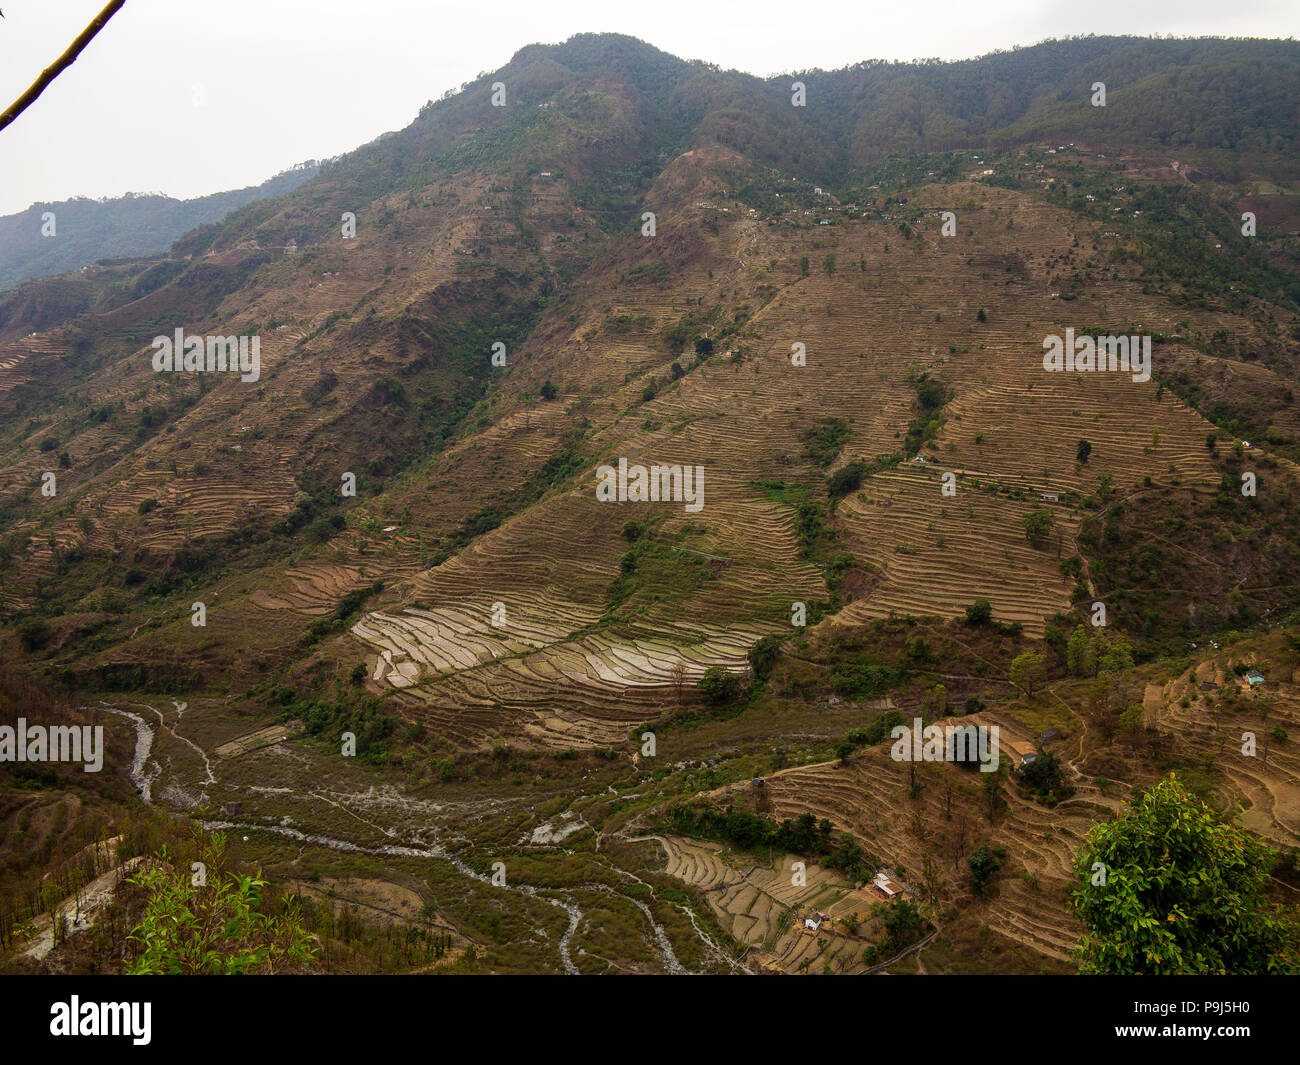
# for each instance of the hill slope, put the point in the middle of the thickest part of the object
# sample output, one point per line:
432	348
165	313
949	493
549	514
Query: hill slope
833	315
84	231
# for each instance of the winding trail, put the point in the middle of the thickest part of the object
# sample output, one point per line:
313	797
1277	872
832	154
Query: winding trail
146	770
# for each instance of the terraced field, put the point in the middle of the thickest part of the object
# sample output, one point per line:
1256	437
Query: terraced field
762	909
314	589
1265	785
1030	906
740	416
863	403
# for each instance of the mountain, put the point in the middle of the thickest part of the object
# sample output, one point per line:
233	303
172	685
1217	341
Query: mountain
84	231
832	311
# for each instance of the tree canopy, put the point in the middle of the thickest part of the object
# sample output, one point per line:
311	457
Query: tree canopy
1169	889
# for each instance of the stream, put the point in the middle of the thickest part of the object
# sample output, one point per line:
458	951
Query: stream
144	781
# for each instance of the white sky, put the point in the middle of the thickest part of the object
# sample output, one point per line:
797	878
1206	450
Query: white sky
288	80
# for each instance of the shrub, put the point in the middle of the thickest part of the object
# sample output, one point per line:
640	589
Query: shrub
846	479
762	656
322	529
719	686
34	634
983	865
225	926
1044	777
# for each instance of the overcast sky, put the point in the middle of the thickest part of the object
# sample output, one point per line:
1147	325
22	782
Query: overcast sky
188	97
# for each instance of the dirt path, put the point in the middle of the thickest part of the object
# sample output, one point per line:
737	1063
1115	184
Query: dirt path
77	913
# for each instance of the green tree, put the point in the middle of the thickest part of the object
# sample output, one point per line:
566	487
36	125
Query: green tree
33	633
1169	889
1114	655
903	925
719	685
803	266
829	264
979	612
1081	654
220	926
1029	671
1038	524
984	863
1132	723
1083	451
1044	777
1092	651
763	654
938	700
846	479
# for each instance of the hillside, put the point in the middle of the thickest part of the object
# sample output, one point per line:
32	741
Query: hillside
137	224
838	322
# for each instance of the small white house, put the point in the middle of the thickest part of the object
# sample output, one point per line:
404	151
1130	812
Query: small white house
885	885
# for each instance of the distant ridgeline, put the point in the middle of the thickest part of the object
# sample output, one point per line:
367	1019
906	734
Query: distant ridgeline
86	230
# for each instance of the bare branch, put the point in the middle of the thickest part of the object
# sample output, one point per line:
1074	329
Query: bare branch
61	64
